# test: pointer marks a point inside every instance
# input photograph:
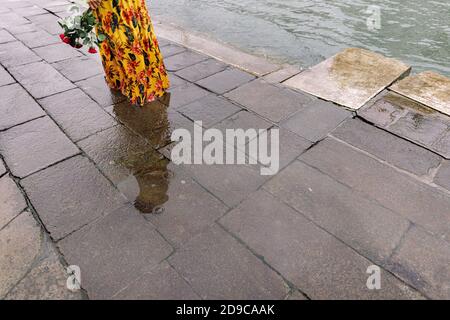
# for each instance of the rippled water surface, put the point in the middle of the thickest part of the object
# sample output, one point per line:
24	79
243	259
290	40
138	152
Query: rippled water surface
306	32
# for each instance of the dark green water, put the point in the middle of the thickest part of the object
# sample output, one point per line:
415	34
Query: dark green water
306	32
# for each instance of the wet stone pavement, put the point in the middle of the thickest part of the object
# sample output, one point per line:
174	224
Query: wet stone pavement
86	179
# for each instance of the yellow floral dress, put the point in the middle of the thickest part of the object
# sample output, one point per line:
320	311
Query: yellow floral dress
130	54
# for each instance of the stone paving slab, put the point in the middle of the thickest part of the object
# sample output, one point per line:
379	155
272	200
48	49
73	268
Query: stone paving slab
210	110
410	120
189	209
114	251
45	281
366	226
5	36
418	202
316	120
176	81
225	81
217	266
5	77
97	88
291	146
385	146
183	60
272	102
2	168
9	19
202	70
13	54
282	74
171	50
37	38
350	78
48	22
77	114
17	106
442	177
161	283
314	261
429	88
24	28
185	94
18	252
40	142
70	195
12	202
40	79
424	261
57	52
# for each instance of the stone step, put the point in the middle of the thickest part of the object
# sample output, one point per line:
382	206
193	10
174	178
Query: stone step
429	88
350	78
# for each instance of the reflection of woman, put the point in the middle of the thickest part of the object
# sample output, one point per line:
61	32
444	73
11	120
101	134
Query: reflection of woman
149	167
130	54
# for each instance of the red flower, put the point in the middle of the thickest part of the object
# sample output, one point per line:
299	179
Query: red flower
66	40
78	45
92	50
62	36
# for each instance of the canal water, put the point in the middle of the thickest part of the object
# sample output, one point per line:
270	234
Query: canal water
304	32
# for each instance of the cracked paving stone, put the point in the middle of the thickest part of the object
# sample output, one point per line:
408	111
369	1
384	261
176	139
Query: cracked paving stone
70	195
77	114
269	101
161	283
424	261
388	147
45	281
17	106
12	202
40	79
40	138
313	260
18	251
217	266
371	229
226	80
202	70
114	251
210	110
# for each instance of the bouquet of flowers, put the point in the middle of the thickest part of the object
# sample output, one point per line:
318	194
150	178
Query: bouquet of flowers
79	27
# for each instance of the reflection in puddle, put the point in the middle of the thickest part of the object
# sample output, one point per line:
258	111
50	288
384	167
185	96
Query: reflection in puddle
149	182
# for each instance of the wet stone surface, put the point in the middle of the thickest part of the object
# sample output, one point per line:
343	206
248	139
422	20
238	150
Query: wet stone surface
183	60
40	138
226	80
350	78
219	267
185	94
40	79
97	89
272	102
70	195
410	120
210	110
77	114
429	88
105	248
314	267
399	152
17	106
316	120
202	70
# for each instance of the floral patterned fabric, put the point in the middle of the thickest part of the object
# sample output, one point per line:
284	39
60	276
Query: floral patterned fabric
130	54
